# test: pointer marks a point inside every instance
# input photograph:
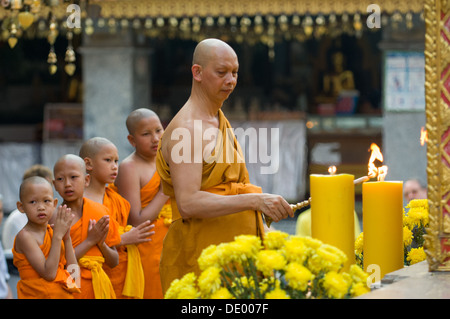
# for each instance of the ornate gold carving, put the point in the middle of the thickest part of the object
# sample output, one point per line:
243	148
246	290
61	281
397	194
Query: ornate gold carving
437	77
203	8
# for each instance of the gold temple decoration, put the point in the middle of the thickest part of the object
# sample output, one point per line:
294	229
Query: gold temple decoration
437	79
265	21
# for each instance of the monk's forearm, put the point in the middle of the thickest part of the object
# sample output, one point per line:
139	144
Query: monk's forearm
110	254
52	261
149	212
83	248
71	259
207	205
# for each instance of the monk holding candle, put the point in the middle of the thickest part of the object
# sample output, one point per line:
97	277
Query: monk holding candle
207	179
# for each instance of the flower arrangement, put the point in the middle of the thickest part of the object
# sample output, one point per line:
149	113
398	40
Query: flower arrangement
281	266
415	220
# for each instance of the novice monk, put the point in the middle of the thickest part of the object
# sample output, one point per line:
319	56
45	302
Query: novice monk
42	253
101	158
93	233
139	183
197	175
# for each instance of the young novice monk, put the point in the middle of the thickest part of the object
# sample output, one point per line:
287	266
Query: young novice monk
41	252
139	183
93	233
101	158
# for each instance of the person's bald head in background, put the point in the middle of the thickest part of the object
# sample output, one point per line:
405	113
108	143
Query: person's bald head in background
413	189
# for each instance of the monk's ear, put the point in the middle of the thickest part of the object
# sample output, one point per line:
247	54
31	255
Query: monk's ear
87	180
197	72
20	207
131	140
88	163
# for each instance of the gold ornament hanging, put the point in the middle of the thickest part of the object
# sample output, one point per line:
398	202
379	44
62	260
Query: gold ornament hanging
70	56
51	59
12	40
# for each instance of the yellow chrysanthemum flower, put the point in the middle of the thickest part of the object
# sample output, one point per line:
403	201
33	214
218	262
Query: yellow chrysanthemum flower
269	260
298	276
335	284
245	247
312	243
359	243
222	293
277	293
358	274
183	288
226	254
417	214
407	236
416	255
327	258
359	289
208	258
209	281
275	239
295	249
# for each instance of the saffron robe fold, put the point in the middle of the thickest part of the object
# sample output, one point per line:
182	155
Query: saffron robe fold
79	232
119	209
32	286
151	251
224	173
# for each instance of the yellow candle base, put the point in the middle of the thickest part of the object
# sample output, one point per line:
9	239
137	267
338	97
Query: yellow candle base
332	212
383	226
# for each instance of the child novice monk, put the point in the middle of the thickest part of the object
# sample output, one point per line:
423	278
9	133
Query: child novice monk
139	183
94	234
41	253
101	158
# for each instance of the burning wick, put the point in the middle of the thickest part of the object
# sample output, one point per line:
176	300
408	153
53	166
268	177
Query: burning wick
332	170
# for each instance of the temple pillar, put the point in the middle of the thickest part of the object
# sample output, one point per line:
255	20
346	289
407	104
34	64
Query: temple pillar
116	79
404	101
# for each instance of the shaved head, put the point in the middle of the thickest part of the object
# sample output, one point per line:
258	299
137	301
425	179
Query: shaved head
207	49
33	180
137	115
70	158
91	147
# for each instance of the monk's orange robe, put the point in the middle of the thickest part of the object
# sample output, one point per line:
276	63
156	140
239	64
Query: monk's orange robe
79	232
224	173
151	251
32	286
119	209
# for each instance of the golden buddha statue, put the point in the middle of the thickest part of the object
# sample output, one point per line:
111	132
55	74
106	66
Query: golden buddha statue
340	79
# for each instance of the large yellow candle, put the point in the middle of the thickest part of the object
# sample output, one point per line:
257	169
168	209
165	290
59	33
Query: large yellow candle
332	212
383	226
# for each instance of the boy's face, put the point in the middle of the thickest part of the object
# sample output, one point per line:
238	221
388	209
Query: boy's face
105	164
37	202
70	180
147	135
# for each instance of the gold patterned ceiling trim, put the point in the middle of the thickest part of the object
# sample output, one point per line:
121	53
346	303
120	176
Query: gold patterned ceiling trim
214	8
204	8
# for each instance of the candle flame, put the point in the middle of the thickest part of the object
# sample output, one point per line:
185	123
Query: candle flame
332	170
423	136
374	171
382	171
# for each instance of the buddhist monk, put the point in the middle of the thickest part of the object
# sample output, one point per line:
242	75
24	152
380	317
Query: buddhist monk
139	182
211	196
101	158
42	253
94	234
